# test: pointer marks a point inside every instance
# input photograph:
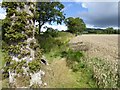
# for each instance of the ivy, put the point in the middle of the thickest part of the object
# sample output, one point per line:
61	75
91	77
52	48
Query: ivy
29	17
31	9
9	5
14	49
21	5
38	54
7	59
29	32
19	70
34	66
19	56
15	30
10	12
25	53
15	37
34	46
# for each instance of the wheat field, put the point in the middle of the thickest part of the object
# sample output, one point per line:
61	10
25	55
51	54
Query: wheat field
102	56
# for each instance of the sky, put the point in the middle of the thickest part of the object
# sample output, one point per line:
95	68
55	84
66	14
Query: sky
94	14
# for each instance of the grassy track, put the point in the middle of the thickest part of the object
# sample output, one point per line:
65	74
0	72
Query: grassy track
58	74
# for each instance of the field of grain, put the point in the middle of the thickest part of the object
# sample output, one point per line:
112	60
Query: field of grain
103	46
101	56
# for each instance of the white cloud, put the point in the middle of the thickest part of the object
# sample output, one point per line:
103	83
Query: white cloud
100	14
89	26
59	27
2	15
84	5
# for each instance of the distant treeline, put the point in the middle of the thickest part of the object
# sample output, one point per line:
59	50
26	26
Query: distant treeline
101	31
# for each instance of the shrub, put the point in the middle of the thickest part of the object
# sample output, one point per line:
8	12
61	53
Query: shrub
75	67
51	32
73	55
48	43
73	59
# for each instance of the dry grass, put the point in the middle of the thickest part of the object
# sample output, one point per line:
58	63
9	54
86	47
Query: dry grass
58	75
22	81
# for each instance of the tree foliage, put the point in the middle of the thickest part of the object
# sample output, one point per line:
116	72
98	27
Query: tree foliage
109	30
75	25
49	12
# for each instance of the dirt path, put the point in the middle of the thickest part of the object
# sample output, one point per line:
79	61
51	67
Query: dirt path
102	46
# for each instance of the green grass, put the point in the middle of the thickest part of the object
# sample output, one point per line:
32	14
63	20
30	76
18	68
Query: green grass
2	61
4	83
83	80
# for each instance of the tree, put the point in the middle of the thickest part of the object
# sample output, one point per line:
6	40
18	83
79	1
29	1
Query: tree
109	30
75	25
49	12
